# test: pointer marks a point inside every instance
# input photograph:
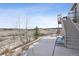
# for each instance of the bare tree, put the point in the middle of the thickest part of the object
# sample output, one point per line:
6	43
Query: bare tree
19	31
26	33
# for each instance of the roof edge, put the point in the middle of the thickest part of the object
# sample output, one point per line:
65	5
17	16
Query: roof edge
73	6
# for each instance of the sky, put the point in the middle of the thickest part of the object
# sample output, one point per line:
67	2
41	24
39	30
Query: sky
43	15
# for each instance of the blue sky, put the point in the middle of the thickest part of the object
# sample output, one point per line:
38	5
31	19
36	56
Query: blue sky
43	15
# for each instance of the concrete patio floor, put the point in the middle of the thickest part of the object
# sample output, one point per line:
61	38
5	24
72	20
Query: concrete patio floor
45	47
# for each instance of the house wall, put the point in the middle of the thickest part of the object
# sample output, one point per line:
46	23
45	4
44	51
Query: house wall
77	7
77	24
77	15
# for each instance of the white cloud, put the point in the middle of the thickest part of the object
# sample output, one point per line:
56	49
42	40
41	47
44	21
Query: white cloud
9	17
43	22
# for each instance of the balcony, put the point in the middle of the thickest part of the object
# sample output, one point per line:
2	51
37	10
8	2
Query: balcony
59	21
74	16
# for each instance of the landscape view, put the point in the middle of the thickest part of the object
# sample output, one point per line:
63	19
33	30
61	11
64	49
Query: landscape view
39	29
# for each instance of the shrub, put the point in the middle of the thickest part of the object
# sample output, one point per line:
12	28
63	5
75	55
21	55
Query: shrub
36	34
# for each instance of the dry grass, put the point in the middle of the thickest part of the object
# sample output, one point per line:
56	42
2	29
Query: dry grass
8	52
